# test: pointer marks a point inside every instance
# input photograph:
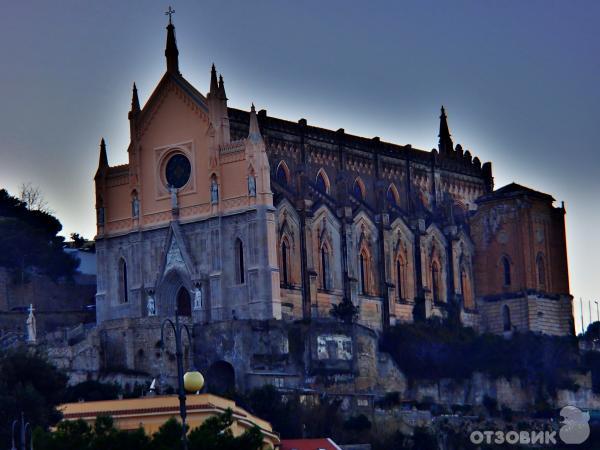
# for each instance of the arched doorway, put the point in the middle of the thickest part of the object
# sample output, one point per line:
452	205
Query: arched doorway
220	378
184	302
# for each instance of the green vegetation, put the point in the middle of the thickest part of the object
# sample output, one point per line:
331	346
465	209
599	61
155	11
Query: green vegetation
293	419
345	311
592	333
434	350
214	434
91	390
29	383
29	241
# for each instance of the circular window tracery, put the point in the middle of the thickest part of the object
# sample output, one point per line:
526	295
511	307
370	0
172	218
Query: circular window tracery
178	170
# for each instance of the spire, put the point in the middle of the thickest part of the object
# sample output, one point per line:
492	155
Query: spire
103	160
214	86
135	101
254	131
445	142
171	52
222	94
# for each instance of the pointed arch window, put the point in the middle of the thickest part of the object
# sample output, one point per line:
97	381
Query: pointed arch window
239	262
506	271
285	262
282	174
100	215
392	196
364	271
541	270
400	282
322	182
467	292
123	288
435	281
325	271
358	190
506	322
100	211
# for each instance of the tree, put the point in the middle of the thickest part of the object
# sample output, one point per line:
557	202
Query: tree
92	390
168	436
78	435
29	383
268	403
29	241
33	198
345	311
214	434
593	332
78	240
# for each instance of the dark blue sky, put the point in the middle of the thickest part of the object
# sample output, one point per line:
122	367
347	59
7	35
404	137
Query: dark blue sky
520	80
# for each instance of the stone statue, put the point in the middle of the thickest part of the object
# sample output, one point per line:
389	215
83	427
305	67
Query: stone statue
31	326
151	305
135	207
252	186
173	191
214	191
198	298
152	389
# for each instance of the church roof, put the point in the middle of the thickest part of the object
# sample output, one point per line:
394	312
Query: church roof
276	128
194	94
515	190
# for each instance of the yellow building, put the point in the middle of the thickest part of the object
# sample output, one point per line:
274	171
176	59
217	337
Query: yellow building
153	411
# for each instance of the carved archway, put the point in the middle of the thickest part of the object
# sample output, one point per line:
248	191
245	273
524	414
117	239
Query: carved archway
221	378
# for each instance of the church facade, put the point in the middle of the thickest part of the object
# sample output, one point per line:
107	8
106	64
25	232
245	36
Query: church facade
223	214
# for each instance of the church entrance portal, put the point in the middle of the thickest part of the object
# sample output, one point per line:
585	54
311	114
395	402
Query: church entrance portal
184	302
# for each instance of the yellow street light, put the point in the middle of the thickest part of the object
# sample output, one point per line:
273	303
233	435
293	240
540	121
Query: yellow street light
193	381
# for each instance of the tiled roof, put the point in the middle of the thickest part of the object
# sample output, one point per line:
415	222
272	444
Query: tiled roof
309	444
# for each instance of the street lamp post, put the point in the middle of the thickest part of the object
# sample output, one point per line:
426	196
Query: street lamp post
13	435
178	330
22	432
597	311
27	425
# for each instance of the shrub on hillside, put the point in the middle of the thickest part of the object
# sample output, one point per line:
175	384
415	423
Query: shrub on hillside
434	350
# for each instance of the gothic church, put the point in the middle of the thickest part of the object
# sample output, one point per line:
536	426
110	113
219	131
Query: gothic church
223	214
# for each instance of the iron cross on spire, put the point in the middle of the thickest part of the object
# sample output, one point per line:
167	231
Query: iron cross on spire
170	13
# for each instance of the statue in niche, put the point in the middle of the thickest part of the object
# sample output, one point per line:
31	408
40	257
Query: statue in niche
252	186
135	207
214	191
198	297
151	304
